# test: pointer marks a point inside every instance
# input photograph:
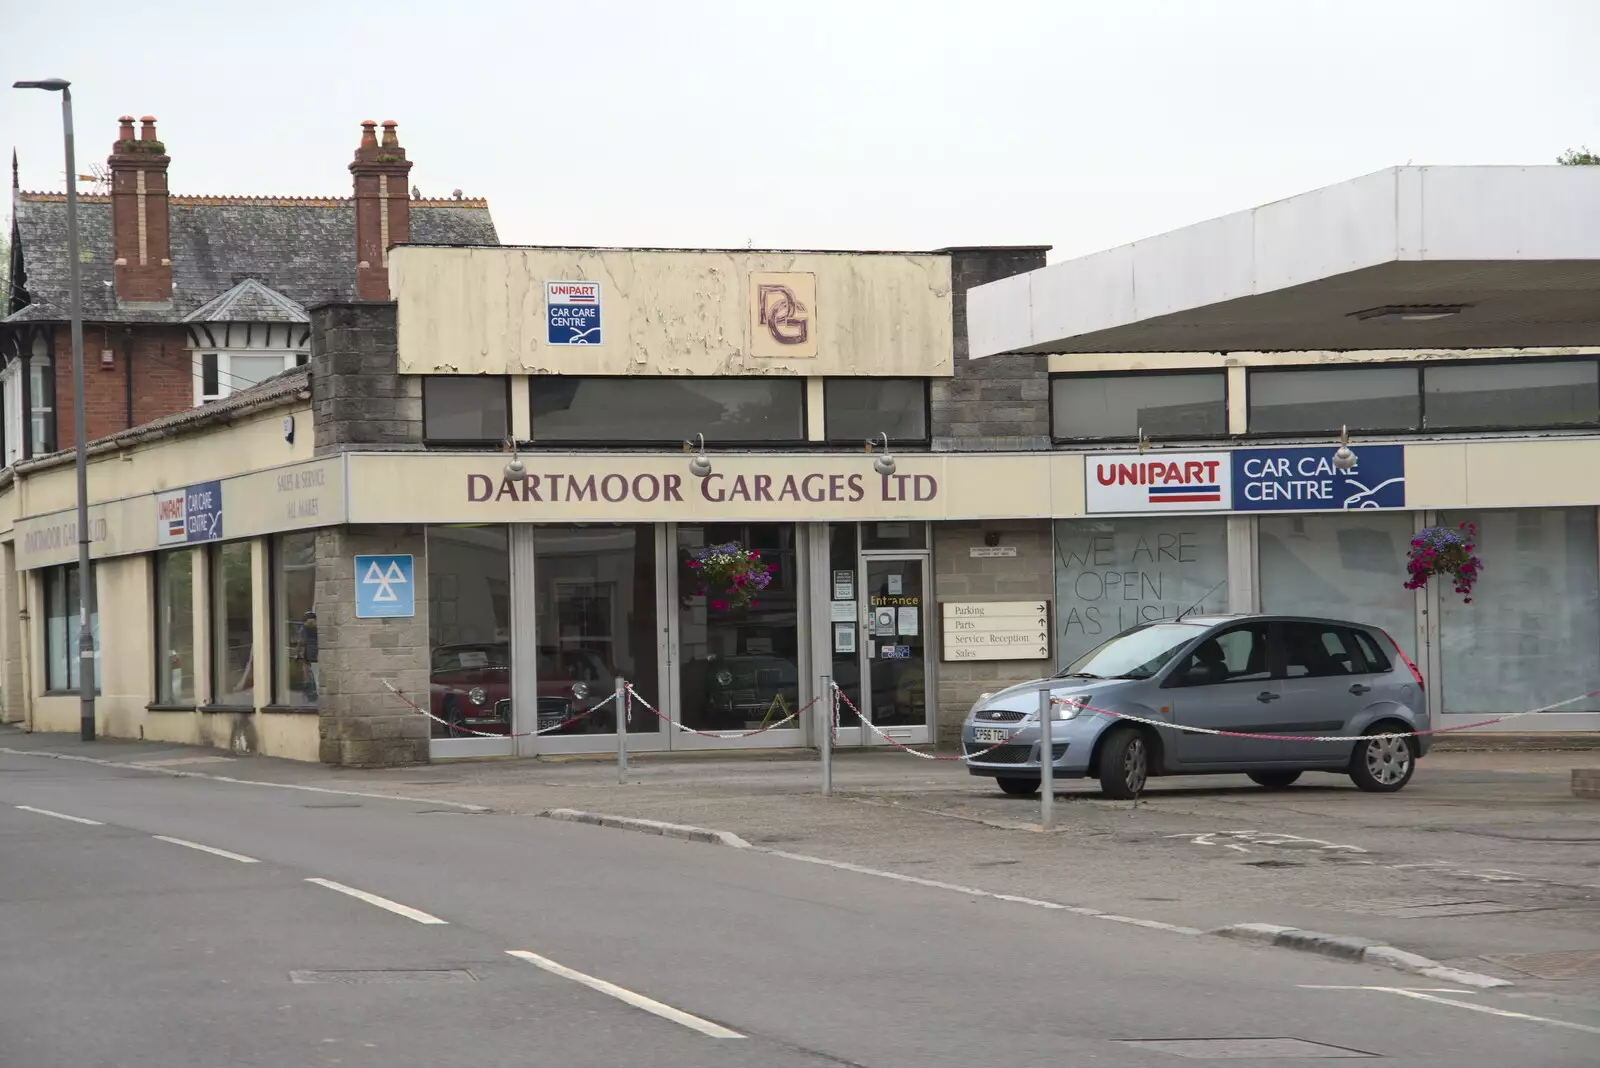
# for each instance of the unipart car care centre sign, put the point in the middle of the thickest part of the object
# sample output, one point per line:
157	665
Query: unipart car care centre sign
1158	482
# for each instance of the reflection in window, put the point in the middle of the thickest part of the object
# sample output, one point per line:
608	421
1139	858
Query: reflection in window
296	638
469	630
1527	393
1325	399
465	408
596	603
175	664
855	409
1120	406
232	638
1340	567
62	628
1531	635
667	409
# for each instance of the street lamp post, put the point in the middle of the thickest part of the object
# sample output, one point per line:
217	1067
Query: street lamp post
85	579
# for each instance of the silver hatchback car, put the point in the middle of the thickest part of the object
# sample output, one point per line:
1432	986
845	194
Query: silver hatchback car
1292	677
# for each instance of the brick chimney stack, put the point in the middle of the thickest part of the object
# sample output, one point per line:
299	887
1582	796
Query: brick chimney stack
141	234
383	207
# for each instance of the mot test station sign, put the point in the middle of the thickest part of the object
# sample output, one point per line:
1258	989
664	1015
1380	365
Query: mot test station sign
572	313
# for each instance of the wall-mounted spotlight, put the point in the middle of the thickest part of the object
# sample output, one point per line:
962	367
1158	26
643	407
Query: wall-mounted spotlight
515	468
1343	458
884	464
700	466
1144	442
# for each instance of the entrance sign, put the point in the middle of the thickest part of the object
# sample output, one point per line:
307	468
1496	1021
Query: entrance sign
1158	482
572	313
996	630
1297	479
385	587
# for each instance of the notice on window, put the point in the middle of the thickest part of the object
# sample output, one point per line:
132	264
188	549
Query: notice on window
844	585
883	622
844	637
842	611
897	585
908	622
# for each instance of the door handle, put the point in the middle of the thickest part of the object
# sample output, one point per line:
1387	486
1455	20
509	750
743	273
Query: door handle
1267	695
1358	689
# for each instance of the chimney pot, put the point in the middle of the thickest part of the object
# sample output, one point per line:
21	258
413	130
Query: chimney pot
369	138
125	133
390	140
147	128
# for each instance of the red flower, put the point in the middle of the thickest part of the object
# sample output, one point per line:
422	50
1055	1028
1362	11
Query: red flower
719	605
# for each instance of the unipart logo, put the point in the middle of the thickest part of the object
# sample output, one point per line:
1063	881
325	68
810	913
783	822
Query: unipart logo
1182	481
577	292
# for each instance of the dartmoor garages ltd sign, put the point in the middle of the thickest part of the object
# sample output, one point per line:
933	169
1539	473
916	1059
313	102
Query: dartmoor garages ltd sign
672	488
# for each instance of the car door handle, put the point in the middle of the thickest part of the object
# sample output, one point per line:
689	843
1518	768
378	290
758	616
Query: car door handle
1358	689
1267	695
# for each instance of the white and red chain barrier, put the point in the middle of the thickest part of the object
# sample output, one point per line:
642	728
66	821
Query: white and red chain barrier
834	732
586	713
726	735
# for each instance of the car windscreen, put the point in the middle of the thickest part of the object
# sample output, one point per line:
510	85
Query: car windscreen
1135	654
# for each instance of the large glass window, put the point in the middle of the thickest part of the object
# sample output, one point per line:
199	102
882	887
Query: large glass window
739	665
62	628
595	592
175	663
1322	400
1531	635
296	640
855	409
1121	406
232	616
667	409
1345	566
465	408
1527	393
469	630
1112	574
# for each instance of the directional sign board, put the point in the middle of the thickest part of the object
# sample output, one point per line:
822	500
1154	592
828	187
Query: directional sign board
996	630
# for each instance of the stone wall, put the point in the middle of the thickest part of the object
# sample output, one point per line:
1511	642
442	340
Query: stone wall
362	723
997	404
959	577
358	398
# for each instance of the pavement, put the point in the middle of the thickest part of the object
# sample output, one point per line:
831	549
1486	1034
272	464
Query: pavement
1485	862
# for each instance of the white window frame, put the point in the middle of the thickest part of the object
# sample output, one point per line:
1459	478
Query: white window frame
291	358
11	400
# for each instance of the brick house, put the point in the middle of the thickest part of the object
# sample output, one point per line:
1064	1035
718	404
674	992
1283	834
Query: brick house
188	298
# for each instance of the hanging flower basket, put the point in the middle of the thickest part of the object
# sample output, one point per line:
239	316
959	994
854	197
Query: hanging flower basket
730	575
1442	551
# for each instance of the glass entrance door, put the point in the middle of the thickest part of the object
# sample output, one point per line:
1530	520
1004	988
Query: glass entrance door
894	663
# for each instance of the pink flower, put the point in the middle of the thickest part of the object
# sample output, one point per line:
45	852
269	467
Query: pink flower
719	606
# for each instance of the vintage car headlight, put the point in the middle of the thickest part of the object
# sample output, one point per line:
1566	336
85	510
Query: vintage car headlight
476	695
580	690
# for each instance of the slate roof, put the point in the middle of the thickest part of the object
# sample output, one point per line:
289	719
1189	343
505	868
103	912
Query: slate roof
250	302
303	248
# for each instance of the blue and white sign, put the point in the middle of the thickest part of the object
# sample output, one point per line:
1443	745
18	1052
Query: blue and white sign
188	515
572	313
385	587
1305	480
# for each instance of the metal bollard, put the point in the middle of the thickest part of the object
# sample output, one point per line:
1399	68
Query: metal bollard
620	703
1047	763
829	702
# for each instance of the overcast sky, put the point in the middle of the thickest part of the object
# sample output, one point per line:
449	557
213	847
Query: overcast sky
864	124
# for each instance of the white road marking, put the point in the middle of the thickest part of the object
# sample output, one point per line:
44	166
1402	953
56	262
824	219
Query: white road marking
1421	995
638	1001
240	857
60	815
382	902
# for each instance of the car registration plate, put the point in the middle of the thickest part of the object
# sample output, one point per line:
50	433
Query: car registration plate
990	734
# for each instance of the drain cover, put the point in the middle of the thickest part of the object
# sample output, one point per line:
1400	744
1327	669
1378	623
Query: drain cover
1575	964
1233	1049
383	976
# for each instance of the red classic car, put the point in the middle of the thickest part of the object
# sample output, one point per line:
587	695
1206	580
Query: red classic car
471	689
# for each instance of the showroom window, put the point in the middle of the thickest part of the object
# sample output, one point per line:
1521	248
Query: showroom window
469	630
1120	407
1531	635
466	408
232	637
62	627
175	663
667	410
1528	393
1321	400
1112	574
855	409
1340	567
297	676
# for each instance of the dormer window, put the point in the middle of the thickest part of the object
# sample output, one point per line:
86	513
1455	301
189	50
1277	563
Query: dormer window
243	337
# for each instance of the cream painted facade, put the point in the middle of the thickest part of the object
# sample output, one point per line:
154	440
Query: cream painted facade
665	312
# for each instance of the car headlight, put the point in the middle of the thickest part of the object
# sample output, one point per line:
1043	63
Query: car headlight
580	690
476	695
1069	708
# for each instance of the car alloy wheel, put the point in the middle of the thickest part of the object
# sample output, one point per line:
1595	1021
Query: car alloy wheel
1135	765
1388	760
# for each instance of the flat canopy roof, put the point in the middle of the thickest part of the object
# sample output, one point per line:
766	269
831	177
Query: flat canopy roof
1408	257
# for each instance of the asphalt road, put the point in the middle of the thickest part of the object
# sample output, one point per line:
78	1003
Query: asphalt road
118	948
